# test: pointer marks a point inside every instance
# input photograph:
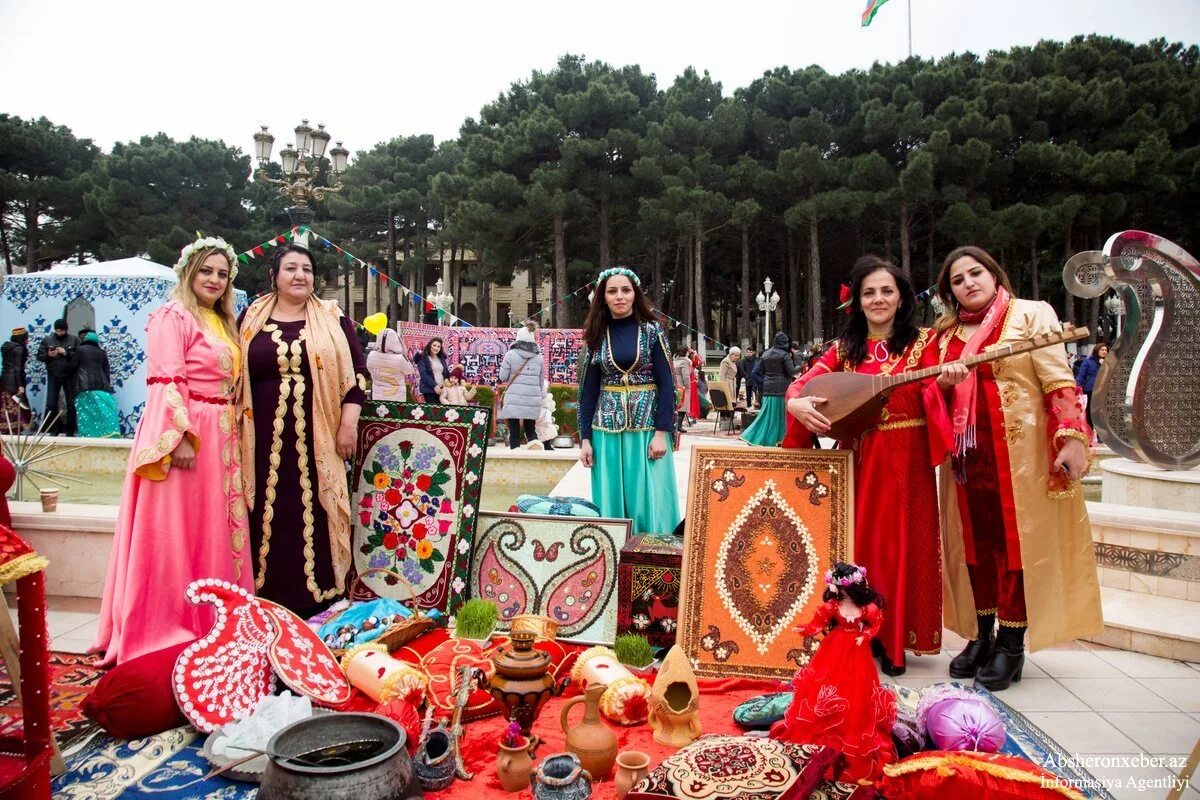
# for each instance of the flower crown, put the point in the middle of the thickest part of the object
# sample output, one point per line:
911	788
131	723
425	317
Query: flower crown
859	576
628	273
207	243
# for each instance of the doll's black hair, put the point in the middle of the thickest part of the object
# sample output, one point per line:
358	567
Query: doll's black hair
859	592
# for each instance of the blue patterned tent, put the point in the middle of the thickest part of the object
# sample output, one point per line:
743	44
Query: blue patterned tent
113	297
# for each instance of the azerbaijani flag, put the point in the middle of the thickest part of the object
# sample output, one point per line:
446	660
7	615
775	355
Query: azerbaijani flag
869	12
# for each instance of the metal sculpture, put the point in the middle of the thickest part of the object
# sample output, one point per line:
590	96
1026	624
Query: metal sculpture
1146	401
27	450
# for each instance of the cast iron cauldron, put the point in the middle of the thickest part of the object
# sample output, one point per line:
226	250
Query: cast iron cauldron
373	764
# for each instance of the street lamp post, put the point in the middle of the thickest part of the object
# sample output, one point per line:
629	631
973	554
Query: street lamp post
443	301
1115	306
768	301
301	166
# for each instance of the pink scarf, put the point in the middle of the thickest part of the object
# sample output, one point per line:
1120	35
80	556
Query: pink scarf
962	414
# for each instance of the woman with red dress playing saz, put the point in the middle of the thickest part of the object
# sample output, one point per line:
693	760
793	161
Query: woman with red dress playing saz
895	508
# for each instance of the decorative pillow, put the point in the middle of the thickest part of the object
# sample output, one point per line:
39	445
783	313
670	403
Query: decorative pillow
441	656
717	767
959	719
759	713
941	774
556	506
135	700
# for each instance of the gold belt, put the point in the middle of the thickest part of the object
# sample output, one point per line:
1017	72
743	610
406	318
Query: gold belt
633	387
904	423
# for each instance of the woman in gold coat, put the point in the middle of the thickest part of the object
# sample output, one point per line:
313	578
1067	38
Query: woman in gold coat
1016	539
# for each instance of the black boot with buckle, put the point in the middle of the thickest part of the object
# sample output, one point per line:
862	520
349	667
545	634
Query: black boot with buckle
978	650
1007	661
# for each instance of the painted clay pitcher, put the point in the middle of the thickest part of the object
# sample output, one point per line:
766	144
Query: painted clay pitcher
513	765
561	777
591	740
521	682
632	766
675	701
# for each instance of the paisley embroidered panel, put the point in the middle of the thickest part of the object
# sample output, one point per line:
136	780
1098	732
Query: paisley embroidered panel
415	486
562	567
763	526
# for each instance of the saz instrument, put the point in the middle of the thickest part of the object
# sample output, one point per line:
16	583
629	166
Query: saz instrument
853	401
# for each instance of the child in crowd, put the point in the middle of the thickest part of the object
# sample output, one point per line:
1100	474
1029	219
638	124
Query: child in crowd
454	392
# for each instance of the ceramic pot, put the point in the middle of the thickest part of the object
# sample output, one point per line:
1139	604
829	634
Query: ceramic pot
675	701
632	766
591	740
434	761
522	682
561	777
513	765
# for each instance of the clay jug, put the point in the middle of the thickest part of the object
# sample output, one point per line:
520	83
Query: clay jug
513	765
632	766
675	701
591	740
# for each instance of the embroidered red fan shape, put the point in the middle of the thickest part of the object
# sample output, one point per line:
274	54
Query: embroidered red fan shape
302	661
222	677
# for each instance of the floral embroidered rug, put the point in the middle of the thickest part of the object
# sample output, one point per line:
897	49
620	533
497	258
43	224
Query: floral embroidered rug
415	487
564	568
763	527
71	680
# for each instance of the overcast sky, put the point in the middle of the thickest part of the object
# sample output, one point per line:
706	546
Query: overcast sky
370	71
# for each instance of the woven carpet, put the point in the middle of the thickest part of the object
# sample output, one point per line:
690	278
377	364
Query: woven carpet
71	679
169	765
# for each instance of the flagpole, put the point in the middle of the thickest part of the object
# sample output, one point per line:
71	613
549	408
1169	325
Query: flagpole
910	28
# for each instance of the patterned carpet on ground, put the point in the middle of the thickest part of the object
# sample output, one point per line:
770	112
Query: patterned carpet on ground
169	766
71	679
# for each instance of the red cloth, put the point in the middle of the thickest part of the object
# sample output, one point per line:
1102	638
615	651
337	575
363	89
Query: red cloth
896	534
135	699
718	698
838	701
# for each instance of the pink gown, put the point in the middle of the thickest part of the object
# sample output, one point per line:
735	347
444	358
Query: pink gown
176	525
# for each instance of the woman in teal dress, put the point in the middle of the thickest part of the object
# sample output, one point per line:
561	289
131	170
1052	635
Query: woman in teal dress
95	405
626	406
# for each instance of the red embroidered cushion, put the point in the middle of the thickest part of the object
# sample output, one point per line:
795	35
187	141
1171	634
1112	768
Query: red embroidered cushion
941	774
441	656
135	700
735	767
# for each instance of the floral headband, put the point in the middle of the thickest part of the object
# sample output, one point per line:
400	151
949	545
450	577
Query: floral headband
859	576
207	243
608	273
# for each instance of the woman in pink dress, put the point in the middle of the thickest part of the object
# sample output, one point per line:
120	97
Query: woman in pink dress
183	515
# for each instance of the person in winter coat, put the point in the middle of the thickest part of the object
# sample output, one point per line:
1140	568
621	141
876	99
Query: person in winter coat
57	352
389	367
777	368
521	371
745	368
432	369
454	391
728	370
1086	379
14	406
95	405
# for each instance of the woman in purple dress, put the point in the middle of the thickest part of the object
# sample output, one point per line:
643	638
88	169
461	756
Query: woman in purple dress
303	390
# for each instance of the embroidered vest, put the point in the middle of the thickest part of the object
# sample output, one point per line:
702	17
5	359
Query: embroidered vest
628	400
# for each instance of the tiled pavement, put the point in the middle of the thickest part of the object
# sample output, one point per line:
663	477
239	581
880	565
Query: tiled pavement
1100	704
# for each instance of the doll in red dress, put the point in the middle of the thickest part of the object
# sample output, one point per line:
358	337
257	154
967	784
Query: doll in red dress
837	700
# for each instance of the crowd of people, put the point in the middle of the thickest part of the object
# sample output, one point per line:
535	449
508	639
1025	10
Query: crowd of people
249	422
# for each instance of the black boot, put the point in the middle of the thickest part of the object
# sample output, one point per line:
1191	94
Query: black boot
1007	661
885	664
978	650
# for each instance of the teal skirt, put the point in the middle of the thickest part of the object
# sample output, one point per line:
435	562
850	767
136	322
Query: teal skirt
627	484
96	415
769	426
